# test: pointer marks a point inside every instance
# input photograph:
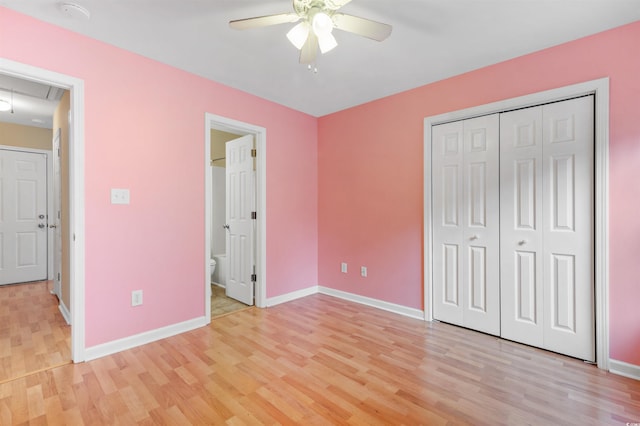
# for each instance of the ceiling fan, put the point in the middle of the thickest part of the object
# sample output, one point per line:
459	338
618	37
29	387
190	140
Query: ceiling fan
318	19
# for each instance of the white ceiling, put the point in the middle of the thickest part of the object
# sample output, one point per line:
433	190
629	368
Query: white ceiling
431	40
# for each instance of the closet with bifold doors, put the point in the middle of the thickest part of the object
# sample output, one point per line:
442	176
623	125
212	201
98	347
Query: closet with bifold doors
513	225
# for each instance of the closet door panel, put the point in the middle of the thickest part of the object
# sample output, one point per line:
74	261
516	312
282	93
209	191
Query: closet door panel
447	183
521	226
481	218
568	228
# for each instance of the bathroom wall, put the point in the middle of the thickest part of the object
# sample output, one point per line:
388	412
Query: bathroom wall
218	233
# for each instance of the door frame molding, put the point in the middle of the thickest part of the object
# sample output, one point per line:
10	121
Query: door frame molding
599	88
76	206
217	122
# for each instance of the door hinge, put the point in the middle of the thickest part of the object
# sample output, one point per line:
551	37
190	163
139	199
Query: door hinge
254	215
254	278
254	153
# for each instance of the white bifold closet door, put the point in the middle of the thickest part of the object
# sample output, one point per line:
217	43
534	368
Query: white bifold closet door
546	232
466	223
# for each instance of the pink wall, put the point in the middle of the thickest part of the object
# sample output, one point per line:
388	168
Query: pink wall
144	130
371	174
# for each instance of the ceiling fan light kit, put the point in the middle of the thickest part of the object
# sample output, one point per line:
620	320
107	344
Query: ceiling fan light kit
319	18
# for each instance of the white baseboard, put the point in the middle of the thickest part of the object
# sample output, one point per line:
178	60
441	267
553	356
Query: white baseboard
65	312
272	301
119	345
624	369
380	304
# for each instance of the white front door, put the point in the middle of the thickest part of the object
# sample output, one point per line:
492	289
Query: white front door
547	236
240	188
23	216
466	223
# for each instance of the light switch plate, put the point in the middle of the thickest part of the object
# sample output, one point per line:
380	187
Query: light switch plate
120	196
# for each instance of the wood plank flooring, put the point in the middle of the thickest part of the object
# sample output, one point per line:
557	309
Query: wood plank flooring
33	334
321	360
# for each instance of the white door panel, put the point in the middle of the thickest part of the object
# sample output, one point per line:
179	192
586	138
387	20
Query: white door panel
520	229
23	223
447	229
481	218
466	223
240	178
568	228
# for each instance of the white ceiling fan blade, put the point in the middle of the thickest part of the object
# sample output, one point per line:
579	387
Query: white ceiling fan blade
309	51
264	21
298	35
327	42
361	26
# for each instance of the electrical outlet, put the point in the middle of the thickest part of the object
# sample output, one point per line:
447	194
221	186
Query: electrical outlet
120	196
343	267
136	298
363	271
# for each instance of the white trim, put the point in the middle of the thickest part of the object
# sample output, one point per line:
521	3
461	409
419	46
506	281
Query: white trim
624	369
380	304
598	87
217	122
76	190
65	312
126	343
288	297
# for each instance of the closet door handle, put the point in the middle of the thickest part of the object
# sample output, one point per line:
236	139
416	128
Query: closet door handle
522	242
225	226
473	237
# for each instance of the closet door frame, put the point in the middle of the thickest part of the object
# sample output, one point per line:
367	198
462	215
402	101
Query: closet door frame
599	88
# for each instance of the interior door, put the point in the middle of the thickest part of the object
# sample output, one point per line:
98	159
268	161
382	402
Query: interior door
240	188
55	221
466	223
23	210
568	226
547	227
521	227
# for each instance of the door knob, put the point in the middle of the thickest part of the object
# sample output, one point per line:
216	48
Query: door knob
473	237
225	226
52	226
41	225
522	242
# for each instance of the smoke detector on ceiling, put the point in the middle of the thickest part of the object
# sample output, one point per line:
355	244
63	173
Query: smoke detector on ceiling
74	10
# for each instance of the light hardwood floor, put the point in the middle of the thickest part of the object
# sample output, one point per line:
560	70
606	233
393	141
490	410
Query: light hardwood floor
321	360
33	333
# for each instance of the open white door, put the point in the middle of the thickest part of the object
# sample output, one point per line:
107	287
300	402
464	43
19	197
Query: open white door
54	222
23	210
240	187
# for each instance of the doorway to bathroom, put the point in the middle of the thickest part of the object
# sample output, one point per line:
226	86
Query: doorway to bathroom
235	217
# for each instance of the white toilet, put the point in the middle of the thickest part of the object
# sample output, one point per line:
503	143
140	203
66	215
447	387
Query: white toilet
213	267
220	277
